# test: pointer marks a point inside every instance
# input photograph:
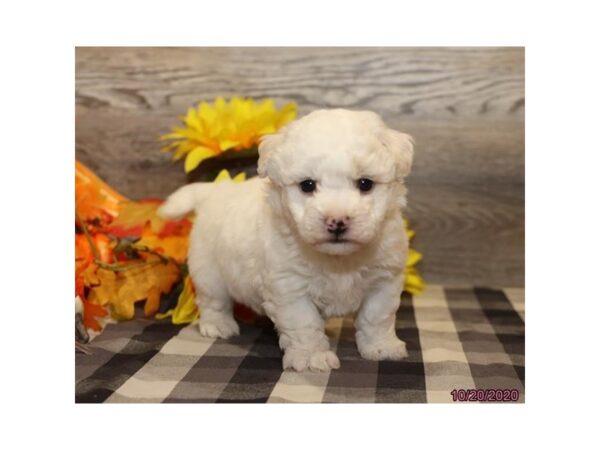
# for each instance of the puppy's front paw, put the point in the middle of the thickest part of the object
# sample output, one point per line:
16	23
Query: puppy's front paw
392	348
299	360
219	327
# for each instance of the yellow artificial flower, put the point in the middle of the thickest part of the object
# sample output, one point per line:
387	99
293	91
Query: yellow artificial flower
186	310
413	282
225	176
235	125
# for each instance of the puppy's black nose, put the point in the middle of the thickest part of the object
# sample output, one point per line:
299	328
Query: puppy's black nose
336	227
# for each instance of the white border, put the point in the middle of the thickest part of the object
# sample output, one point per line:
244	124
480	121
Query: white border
562	221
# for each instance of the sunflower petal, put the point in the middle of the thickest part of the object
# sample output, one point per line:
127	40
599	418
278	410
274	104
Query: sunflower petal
413	282
226	144
224	125
166	137
196	156
413	257
222	176
239	177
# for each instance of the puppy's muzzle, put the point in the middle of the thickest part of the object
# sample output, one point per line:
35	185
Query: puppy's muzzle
337	226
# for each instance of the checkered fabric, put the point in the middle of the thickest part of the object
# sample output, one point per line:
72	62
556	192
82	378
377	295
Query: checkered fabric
457	338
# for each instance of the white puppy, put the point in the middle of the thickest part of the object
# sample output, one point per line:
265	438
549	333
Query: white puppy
319	234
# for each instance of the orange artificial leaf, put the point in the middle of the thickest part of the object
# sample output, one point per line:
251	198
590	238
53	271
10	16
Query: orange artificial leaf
79	286
178	227
83	259
90	277
134	216
174	246
142	280
93	197
109	199
90	312
85	266
83	253
88	202
105	247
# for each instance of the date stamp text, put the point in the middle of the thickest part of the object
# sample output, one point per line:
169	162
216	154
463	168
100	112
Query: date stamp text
485	395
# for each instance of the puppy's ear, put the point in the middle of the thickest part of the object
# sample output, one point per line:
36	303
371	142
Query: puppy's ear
266	151
401	145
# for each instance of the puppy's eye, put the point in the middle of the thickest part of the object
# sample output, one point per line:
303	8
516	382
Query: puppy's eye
364	184
308	185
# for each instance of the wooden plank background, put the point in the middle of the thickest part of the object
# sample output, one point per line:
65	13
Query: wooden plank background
464	106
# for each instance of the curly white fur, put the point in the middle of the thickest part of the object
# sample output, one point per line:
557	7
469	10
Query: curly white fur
265	242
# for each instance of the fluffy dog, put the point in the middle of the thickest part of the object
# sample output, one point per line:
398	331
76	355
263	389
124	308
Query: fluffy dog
319	233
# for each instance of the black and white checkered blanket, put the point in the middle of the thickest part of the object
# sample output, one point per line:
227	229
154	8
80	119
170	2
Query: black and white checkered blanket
469	339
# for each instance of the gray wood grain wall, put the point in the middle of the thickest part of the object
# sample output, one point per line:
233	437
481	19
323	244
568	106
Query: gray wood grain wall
464	106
